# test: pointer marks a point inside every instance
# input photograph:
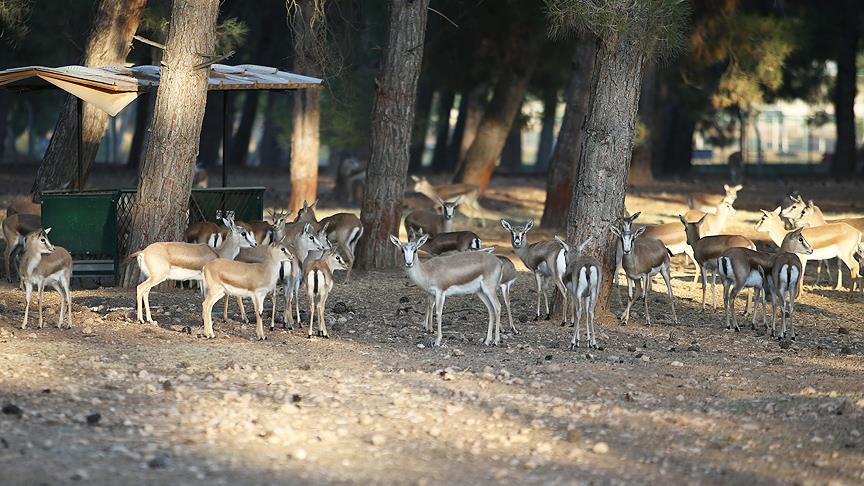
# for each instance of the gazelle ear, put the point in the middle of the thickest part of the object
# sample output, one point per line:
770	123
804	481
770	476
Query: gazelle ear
307	228
47	230
529	224
683	221
726	187
615	231
422	240
324	228
305	205
228	223
702	219
777	210
634	216
506	225
314	204
415	178
639	231
738	187
440	201
395	241
585	243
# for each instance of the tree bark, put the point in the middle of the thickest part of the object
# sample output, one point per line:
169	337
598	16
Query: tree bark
440	161
240	139
511	154
843	161
165	181
392	118
474	106
108	43
641	167
607	146
565	156
421	124
547	133
305	136
492	132
143	109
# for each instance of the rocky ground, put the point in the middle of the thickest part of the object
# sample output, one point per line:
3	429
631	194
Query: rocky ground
112	401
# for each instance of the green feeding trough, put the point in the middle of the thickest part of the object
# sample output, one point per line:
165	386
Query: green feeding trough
95	225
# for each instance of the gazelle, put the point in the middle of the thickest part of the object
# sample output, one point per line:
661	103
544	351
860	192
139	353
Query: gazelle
741	268
784	284
266	232
23	205
642	258
15	229
583	279
44	263
671	235
712	223
469	193
708	203
183	261
344	230
707	249
318	275
430	222
828	241
810	216
547	259
223	277
457	274
205	232
448	242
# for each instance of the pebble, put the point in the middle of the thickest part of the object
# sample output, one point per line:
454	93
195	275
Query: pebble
777	361
94	418
842	330
645	358
600	448
12	409
378	440
677	364
299	454
341	308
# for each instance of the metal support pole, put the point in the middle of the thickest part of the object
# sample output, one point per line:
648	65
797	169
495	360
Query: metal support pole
80	108
226	134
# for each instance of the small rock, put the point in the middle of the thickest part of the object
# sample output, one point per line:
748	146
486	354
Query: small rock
845	350
676	364
574	435
807	391
94	418
342	307
296	398
600	448
12	409
404	299
645	358
842	330
160	461
79	475
785	344
631	348
167	386
377	440
777	361
87	330
299	454
694	347
421	345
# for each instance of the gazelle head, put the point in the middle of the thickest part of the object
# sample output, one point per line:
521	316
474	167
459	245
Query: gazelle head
794	242
517	233
769	220
627	221
244	236
793	211
627	237
731	192
807	216
279	252
335	260
415	235
409	249
307	212
727	207
569	249
39	240
448	207
315	240
693	230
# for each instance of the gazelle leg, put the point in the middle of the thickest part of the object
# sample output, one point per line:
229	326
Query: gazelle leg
225	310
625	316
563	291
854	269
732	295
242	310
141	291
40	289
505	292
667	278
430	313
56	286
646	282
64	283
713	290
322	322
28	291
490	326
574	342
591	304
537	279
213	296
704	286
439	309
311	297
273	309
258	304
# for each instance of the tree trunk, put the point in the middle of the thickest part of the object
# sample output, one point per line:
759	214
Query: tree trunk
455	145
565	156
165	181
474	106
392	118
498	118
607	146
240	140
143	109
843	161
511	154
305	136
547	133
641	167
440	162
108	43
421	125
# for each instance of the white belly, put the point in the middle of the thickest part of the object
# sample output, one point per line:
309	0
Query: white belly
467	288
184	274
754	279
822	253
543	269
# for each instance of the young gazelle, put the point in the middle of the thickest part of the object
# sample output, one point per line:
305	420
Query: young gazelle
642	258
708	203
223	277
828	241
344	230
448	242
44	263
183	261
15	229
784	284
430	222
707	249
318	275
547	259
469	193
471	272
583	279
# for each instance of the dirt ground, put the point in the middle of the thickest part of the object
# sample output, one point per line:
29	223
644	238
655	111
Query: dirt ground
667	404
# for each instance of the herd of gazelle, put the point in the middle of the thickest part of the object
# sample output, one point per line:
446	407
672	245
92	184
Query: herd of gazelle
252	259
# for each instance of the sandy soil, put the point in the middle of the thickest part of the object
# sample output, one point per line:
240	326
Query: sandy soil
667	404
